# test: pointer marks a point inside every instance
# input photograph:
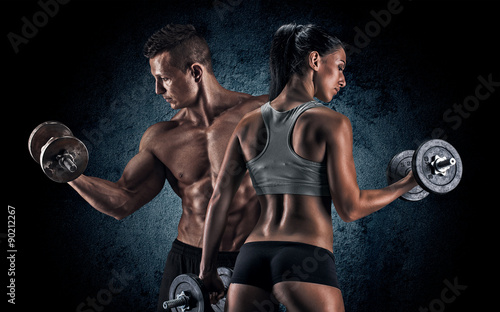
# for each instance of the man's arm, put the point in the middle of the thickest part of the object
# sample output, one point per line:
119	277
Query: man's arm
142	179
350	202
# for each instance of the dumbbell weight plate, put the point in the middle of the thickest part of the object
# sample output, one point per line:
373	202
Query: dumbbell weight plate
423	170
42	134
225	274
191	285
57	146
398	168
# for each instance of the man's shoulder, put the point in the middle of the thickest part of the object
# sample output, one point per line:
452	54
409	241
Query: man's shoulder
157	130
255	101
258	99
161	127
247	103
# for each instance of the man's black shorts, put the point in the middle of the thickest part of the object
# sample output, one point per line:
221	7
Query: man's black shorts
184	258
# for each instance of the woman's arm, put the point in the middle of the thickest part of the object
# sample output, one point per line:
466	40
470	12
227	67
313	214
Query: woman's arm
232	171
350	202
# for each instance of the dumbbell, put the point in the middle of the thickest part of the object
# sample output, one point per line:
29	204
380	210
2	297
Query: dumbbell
187	293
436	165
62	156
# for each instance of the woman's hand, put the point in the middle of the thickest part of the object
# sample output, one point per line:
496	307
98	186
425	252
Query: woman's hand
214	286
411	178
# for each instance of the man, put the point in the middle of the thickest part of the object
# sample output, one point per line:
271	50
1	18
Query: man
187	151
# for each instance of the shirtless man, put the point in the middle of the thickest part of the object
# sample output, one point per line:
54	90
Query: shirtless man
187	151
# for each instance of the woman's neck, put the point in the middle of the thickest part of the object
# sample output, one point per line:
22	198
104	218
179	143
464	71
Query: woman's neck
298	90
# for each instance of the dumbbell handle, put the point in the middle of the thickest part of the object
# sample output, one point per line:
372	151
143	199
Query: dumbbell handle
442	164
445	163
67	161
181	300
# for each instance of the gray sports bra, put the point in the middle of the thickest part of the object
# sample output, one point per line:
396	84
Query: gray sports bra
278	169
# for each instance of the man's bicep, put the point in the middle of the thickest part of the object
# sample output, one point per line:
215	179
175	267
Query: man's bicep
143	178
145	173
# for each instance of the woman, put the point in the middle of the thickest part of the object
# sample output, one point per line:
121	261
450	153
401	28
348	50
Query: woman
299	156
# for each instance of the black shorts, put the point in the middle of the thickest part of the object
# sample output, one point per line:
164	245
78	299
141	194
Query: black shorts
184	258
266	263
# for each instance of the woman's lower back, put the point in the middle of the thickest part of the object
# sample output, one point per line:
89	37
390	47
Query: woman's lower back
296	218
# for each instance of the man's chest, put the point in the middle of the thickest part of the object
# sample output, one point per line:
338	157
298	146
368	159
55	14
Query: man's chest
195	153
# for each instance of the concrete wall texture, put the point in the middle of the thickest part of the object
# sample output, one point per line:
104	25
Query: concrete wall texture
414	73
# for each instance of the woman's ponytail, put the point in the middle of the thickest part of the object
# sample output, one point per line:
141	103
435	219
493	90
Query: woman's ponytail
281	56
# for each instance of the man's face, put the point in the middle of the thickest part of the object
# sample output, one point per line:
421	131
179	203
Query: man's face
176	87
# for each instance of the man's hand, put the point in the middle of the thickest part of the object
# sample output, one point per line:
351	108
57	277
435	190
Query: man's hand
214	286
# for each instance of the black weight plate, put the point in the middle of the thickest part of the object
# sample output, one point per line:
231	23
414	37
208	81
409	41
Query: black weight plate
398	168
423	170
42	133
191	285
225	274
58	146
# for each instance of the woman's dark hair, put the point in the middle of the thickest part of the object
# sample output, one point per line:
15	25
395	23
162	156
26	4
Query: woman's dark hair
185	45
289	50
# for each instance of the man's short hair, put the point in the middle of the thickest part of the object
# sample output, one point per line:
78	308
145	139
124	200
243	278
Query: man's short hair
183	43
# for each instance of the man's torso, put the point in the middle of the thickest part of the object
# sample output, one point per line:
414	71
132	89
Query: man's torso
192	155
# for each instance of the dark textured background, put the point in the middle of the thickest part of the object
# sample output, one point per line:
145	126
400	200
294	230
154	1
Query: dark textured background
85	69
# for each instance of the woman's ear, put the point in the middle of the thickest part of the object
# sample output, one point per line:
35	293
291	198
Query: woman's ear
314	60
196	71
